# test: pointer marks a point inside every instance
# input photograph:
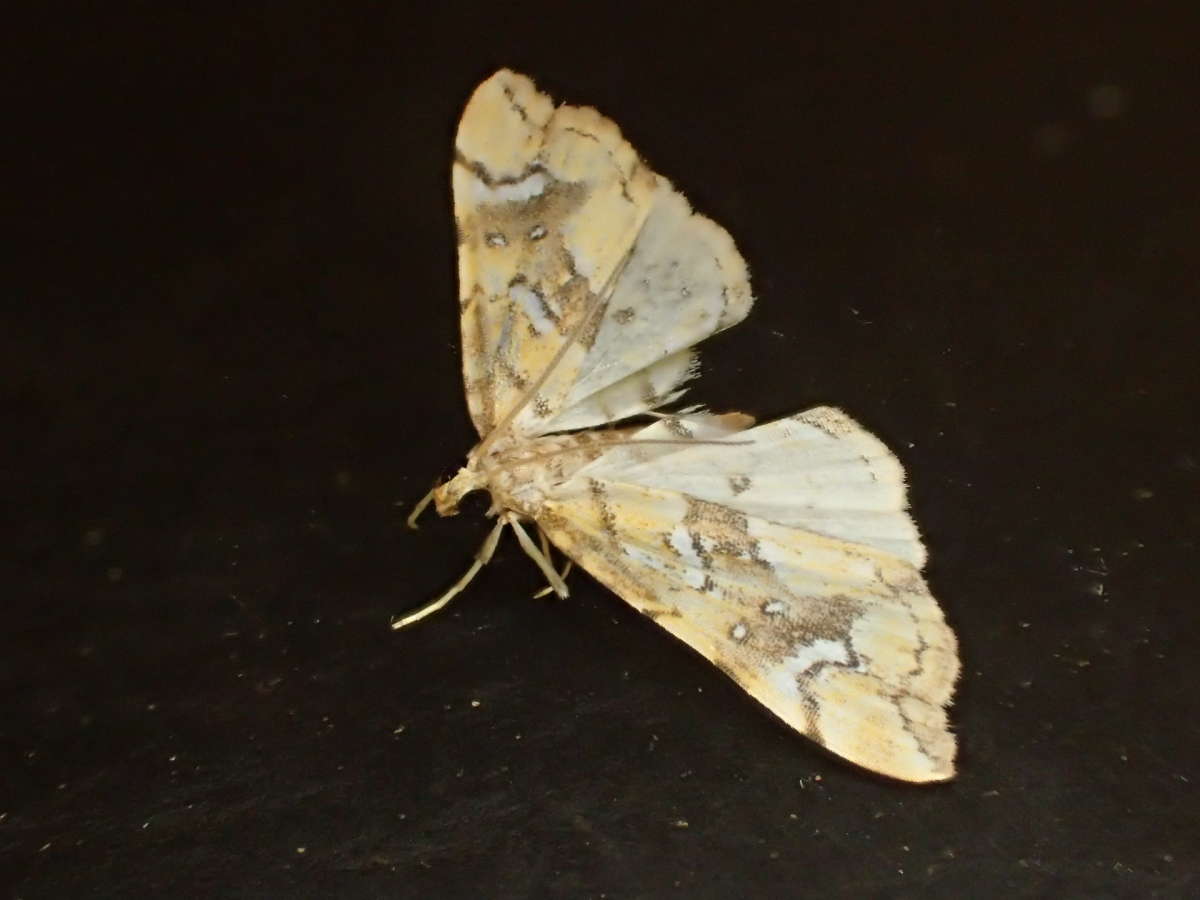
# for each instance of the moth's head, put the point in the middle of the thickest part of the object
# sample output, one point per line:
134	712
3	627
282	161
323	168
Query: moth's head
447	496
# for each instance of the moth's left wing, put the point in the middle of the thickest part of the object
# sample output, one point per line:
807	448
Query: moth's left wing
841	640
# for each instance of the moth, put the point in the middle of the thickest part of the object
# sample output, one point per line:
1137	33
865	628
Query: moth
783	552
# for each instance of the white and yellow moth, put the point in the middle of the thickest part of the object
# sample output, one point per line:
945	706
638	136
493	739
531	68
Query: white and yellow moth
782	552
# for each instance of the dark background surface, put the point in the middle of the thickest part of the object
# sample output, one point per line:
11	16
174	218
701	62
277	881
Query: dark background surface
234	362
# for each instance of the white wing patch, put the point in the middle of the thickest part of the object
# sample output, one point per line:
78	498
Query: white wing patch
783	553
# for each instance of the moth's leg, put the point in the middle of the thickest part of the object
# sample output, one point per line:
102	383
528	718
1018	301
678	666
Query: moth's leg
549	589
489	543
482	558
556	583
411	521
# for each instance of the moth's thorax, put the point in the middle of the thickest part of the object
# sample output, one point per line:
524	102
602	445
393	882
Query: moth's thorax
520	472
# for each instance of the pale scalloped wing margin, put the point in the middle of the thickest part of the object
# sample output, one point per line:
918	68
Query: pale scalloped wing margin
841	641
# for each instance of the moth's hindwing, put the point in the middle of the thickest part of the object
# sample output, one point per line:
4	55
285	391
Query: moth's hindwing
788	561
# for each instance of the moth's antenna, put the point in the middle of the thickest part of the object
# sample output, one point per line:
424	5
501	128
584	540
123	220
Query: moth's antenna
411	521
481	559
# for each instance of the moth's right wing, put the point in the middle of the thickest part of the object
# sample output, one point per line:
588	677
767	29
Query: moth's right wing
584	278
839	638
